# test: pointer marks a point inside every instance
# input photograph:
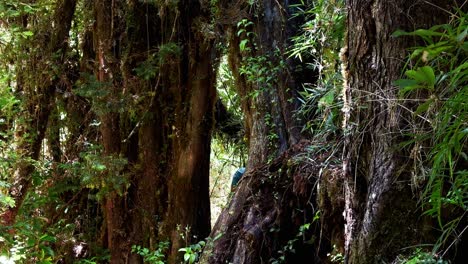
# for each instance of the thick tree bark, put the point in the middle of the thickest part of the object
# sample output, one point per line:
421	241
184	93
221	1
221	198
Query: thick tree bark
39	101
262	221
375	175
381	213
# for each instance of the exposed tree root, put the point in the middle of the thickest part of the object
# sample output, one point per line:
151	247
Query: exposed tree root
273	201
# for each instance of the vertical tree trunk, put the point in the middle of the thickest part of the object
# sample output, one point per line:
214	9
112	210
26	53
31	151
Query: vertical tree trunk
169	187
108	30
146	198
381	215
194	93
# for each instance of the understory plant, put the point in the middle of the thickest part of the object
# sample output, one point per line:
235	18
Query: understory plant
318	47
436	78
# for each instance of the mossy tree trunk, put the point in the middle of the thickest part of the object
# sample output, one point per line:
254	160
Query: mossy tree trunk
108	29
263	74
268	206
161	62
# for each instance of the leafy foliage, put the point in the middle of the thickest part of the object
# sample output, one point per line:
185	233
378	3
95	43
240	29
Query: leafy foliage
420	256
439	75
153	257
319	45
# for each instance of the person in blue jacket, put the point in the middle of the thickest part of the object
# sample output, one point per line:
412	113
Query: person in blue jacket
237	176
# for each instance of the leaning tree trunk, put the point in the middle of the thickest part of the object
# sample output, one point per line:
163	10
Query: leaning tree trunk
274	197
381	214
38	90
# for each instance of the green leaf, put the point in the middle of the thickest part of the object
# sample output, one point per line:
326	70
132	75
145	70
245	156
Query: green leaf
461	37
406	86
186	257
427	32
424	107
423	75
243	43
327	100
47	238
429	75
435	51
192	258
419	32
399	33
218	236
99	167
7	200
49	251
27	34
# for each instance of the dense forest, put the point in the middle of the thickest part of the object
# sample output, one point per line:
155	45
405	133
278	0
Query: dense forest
123	122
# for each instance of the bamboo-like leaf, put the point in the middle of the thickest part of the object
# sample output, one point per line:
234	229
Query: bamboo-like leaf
423	75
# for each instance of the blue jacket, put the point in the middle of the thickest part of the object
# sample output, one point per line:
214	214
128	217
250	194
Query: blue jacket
237	176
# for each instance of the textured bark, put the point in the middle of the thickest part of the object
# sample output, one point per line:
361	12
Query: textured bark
39	100
244	226
381	214
146	198
268	208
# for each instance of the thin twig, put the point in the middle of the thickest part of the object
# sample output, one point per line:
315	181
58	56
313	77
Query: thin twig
456	239
443	9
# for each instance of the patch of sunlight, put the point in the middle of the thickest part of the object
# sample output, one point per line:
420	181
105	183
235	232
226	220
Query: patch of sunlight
6	260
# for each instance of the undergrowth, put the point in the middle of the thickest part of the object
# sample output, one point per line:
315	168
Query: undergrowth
319	46
436	76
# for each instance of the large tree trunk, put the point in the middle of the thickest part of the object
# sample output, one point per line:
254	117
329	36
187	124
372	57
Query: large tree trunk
108	30
375	175
194	97
262	222
381	213
37	89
